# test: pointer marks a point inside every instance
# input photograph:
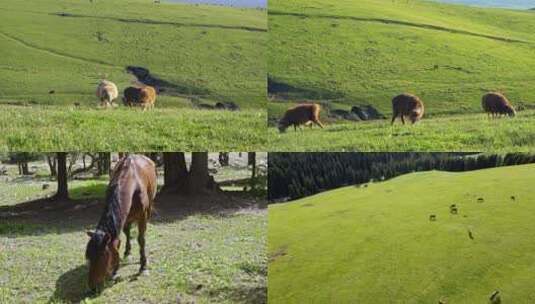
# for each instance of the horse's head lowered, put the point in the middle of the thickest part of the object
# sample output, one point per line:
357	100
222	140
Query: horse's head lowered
102	253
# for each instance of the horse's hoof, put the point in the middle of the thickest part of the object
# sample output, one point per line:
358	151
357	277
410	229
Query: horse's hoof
144	272
115	277
126	258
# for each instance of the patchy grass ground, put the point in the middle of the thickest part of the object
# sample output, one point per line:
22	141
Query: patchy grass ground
46	128
208	249
55	52
376	244
475	132
205	258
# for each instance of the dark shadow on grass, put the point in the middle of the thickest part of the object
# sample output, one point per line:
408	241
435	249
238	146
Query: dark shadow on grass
157	22
285	90
244	294
45	216
71	287
144	76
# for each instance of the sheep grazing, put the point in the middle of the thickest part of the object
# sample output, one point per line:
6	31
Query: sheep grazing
407	105
107	92
144	97
303	114
496	104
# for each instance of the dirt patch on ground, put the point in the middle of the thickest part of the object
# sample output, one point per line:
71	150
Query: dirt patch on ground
280	252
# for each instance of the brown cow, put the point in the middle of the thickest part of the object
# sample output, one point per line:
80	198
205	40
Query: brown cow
302	114
496	104
407	105
144	97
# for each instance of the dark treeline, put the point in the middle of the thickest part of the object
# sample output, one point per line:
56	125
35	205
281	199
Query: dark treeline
296	175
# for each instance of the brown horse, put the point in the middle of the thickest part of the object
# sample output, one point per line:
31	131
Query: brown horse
129	199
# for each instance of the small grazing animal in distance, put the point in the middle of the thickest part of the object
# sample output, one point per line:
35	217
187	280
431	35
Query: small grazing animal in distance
432	217
495	298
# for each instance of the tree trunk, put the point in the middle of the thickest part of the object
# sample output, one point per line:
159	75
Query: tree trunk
175	170
104	163
198	175
63	192
224	159
52	164
251	161
24	166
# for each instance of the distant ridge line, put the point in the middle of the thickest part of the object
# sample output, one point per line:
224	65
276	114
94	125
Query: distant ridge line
399	22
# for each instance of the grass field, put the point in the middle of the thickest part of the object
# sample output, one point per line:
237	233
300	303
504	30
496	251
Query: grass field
201	258
49	128
198	54
201	249
376	244
473	132
346	53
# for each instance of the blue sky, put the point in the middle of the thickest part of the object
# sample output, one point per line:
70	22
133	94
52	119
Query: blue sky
520	4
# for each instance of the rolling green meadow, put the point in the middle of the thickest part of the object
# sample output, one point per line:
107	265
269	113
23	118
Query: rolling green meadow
375	243
54	53
345	53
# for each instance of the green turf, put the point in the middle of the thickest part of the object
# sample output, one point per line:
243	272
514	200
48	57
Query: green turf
224	256
376	244
204	53
45	128
346	53
474	132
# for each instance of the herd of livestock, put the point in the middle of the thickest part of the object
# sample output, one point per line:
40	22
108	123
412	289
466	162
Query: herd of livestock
144	96
403	106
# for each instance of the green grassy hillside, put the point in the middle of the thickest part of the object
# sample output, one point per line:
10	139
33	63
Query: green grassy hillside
376	244
366	52
54	53
68	46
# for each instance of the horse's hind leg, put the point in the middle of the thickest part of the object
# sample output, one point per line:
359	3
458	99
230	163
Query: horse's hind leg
126	231
142	227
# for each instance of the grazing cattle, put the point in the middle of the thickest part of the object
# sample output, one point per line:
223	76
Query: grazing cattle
303	114
129	199
453	209
495	297
107	92
470	234
144	97
496	104
407	105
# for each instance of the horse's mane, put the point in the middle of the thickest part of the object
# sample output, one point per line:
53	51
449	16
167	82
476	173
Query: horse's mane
110	221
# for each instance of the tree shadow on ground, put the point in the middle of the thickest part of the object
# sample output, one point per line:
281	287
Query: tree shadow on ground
45	216
71	286
245	294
